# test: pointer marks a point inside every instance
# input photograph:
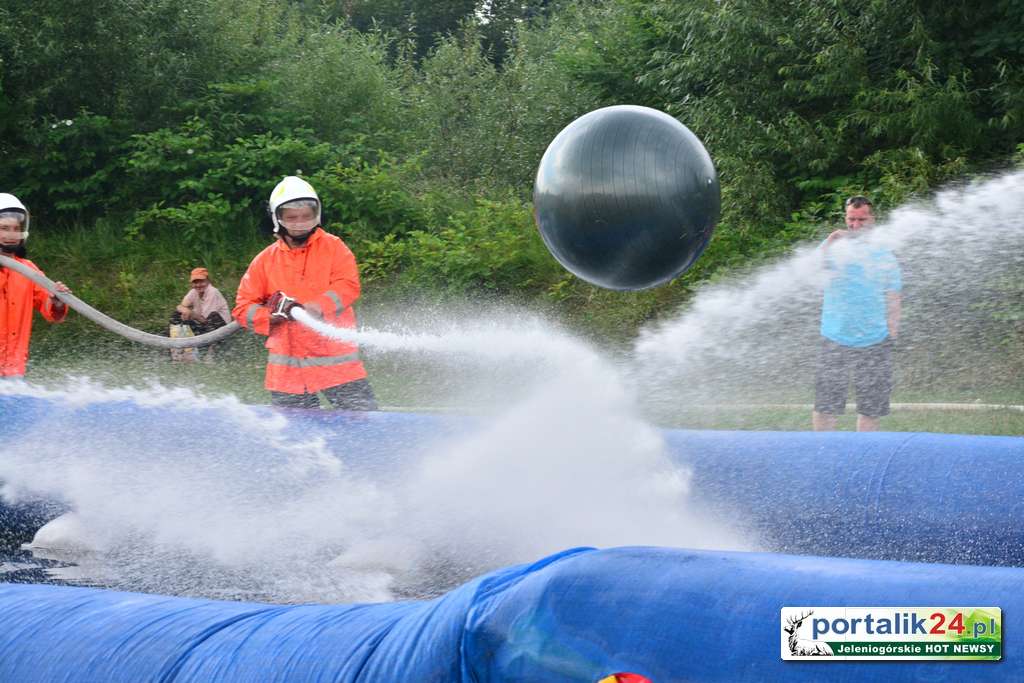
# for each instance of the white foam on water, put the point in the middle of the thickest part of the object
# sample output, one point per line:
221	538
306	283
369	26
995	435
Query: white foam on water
165	503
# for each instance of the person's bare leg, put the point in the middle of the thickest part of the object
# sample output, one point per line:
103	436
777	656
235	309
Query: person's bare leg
823	422
867	424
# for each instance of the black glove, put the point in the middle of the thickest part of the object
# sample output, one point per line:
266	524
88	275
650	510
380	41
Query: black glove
281	305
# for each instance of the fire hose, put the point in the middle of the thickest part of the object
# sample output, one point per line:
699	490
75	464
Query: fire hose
114	326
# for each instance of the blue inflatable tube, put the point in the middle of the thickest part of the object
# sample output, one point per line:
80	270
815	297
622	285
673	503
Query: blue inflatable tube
919	497
670	615
916	497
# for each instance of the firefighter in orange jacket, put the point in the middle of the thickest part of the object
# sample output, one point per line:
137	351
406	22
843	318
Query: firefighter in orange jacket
18	294
308	268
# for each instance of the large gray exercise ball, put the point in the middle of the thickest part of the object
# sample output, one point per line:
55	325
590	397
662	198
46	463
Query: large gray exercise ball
626	197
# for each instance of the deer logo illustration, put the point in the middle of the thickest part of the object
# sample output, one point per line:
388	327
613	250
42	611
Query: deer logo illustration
803	647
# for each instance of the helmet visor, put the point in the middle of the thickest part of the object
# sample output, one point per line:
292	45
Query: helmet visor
301	215
13	226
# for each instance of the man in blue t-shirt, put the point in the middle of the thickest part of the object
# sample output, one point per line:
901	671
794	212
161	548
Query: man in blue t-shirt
860	317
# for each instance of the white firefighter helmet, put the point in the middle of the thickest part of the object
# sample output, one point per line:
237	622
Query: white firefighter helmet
291	189
11	204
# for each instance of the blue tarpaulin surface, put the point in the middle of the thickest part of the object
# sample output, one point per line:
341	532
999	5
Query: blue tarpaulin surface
903	496
669	614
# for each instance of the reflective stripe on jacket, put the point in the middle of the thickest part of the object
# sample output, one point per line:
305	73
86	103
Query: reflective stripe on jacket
18	296
322	271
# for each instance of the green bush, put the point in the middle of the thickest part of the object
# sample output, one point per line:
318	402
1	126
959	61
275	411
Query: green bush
486	128
340	85
368	200
67	173
489	250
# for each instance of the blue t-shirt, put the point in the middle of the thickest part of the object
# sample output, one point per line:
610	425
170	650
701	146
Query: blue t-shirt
854	309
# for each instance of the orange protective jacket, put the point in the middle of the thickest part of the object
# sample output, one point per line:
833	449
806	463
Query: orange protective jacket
322	271
18	296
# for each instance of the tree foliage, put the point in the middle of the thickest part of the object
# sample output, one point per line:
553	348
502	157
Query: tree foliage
820	98
419	22
423	122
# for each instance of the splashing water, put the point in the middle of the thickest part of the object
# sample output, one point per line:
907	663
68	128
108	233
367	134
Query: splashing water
757	336
217	498
221	499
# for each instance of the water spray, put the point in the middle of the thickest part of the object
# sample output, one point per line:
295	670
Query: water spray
531	341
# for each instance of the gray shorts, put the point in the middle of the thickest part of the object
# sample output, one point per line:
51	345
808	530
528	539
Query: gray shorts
871	369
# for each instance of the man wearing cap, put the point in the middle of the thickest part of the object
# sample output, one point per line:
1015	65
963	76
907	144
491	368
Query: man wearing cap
204	308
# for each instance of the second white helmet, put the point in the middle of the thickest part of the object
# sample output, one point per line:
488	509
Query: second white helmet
291	189
9	204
